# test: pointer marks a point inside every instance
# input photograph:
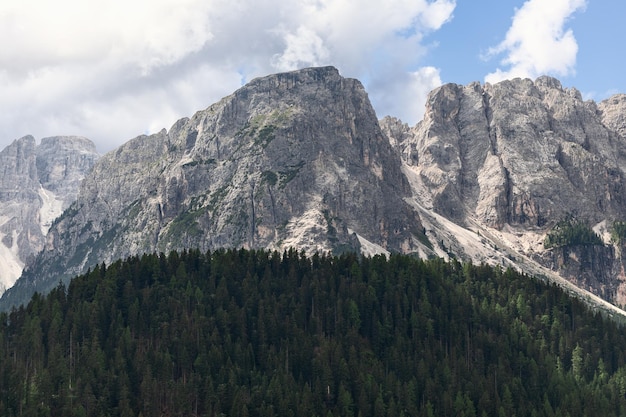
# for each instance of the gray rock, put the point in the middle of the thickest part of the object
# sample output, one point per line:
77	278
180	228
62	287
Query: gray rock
62	162
36	183
290	160
514	158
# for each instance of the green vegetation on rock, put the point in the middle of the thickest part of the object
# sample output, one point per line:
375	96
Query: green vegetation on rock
571	232
185	224
269	177
618	232
265	135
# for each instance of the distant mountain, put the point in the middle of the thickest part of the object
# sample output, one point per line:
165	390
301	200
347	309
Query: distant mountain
37	182
521	174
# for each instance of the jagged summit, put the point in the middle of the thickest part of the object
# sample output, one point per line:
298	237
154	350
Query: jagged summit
501	152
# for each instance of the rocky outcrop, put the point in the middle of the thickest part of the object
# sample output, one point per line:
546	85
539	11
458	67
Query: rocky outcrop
290	160
612	112
518	152
62	163
512	159
588	267
37	182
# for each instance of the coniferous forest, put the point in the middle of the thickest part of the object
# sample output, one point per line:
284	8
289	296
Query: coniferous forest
258	333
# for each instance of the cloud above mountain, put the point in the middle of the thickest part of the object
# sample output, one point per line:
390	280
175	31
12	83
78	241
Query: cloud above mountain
538	41
111	70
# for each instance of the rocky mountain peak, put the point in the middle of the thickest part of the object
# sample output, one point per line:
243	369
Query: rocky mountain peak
498	152
36	183
289	160
62	162
613	113
19	171
509	161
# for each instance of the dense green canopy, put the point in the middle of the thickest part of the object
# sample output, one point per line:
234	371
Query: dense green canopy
256	333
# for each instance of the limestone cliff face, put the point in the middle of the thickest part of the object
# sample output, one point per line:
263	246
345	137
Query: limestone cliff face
518	152
589	267
290	160
62	163
36	183
510	160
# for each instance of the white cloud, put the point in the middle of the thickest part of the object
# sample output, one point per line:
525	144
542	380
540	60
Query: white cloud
304	48
143	33
405	96
112	70
439	13
537	42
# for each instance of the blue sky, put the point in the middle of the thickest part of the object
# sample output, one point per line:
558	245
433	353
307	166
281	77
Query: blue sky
113	70
601	63
597	27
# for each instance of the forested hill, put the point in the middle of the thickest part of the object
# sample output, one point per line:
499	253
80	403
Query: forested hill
257	333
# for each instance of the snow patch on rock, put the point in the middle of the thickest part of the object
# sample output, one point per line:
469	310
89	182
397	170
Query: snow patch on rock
51	208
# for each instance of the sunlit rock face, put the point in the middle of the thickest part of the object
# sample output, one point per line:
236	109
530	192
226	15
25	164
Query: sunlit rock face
518	153
289	160
516	157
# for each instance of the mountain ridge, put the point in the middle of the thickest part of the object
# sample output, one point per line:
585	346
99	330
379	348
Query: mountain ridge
515	158
299	159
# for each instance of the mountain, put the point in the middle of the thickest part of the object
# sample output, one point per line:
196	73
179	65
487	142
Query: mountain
290	160
521	174
37	182
511	161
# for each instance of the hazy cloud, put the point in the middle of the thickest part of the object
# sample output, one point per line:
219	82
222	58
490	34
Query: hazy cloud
112	70
116	33
405	96
537	42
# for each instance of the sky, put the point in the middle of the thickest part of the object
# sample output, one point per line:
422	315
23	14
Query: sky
112	70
